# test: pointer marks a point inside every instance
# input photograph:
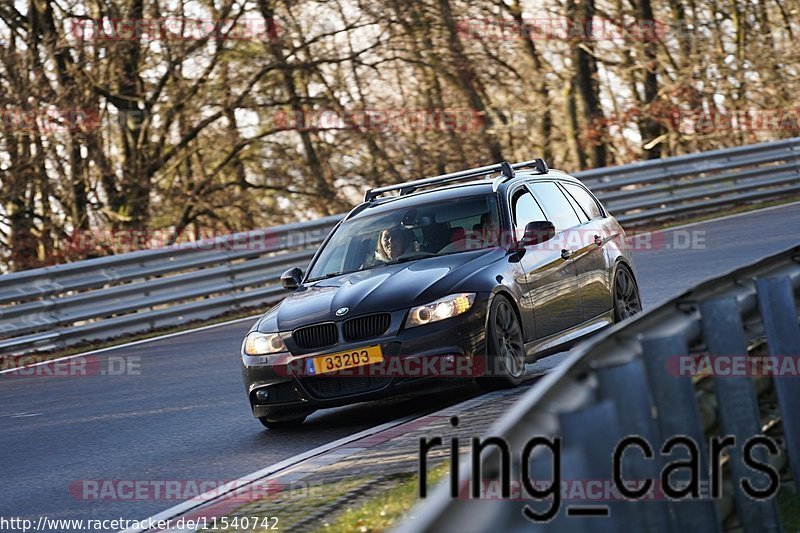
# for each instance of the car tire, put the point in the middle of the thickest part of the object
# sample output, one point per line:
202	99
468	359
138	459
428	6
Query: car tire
283	420
505	349
627	301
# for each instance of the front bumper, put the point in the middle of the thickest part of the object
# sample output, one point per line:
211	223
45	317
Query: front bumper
420	357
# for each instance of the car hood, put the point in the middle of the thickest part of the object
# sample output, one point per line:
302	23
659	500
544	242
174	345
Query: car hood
384	288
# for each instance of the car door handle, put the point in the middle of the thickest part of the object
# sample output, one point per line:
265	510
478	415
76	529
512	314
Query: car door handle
566	254
598	240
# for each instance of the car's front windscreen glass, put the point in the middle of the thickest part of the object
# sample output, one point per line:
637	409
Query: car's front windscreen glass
410	233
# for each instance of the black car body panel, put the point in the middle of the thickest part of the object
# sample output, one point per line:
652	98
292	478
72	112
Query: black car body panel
561	290
397	286
464	338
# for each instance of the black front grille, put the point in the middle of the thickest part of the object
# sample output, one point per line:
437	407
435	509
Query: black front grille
316	336
366	327
337	386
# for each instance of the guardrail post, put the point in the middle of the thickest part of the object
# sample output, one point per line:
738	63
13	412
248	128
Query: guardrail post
590	460
626	386
779	314
738	411
677	414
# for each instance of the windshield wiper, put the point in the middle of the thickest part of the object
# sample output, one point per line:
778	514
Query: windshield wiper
328	275
406	258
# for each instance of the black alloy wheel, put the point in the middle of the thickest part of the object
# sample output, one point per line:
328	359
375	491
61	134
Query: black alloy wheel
626	295
505	357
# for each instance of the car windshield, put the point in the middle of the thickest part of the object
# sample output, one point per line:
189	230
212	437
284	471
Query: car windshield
410	233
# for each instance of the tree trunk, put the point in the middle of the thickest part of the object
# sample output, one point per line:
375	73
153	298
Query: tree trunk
329	202
652	131
586	80
573	138
544	128
135	183
467	78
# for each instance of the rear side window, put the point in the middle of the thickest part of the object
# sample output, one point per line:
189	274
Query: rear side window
575	207
585	199
555	204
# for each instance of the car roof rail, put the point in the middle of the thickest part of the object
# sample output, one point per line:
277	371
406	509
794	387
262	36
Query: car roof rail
505	168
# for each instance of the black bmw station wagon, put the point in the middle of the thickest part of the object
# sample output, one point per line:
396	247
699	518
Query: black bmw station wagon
468	275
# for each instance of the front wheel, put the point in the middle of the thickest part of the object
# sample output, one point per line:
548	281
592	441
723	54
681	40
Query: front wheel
505	352
626	295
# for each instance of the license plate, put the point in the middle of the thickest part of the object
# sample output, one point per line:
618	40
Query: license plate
349	359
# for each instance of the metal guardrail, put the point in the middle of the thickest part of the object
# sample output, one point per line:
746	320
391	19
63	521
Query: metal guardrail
105	297
652	191
127	293
618	384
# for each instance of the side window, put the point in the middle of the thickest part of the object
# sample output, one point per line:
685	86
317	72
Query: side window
556	205
525	210
585	199
575	207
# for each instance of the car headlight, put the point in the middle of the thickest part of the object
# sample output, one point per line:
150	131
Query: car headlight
263	343
443	308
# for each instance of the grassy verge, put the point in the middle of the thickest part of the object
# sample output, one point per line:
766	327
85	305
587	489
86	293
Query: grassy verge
385	510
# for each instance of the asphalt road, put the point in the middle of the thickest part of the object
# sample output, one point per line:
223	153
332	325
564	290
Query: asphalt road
185	416
668	266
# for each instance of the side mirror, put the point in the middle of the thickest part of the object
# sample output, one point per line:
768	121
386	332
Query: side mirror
291	278
537	232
